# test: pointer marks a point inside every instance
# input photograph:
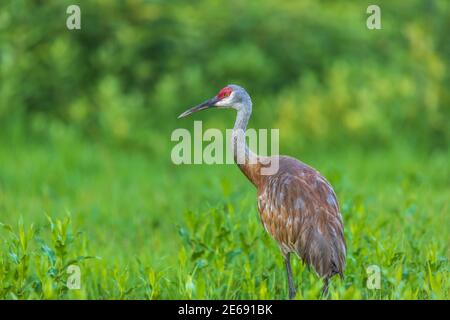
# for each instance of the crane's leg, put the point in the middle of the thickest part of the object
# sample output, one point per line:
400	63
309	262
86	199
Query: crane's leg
287	262
325	287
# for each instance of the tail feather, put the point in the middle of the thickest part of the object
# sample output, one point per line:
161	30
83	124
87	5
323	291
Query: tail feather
326	254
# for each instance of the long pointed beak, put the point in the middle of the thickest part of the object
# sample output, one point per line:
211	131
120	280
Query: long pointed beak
201	106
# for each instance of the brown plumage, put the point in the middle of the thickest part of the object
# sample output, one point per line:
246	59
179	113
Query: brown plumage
297	205
299	209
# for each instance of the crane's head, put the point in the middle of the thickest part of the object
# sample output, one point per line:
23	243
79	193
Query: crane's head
231	96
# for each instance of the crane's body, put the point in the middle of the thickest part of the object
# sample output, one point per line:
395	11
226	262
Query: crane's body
297	205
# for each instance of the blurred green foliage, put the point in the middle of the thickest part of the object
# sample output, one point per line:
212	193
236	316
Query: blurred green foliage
312	68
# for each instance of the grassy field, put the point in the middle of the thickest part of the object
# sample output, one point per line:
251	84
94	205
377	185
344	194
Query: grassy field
140	227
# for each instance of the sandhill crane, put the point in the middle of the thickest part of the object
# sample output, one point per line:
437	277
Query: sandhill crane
297	205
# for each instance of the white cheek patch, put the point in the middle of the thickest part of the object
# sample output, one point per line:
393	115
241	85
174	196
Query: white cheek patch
221	103
226	102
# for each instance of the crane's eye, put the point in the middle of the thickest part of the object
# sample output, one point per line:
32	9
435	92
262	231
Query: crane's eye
224	93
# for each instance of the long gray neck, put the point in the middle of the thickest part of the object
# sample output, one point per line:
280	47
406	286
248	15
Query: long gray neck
242	154
242	118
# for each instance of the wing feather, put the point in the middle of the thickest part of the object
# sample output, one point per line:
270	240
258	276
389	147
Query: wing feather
300	210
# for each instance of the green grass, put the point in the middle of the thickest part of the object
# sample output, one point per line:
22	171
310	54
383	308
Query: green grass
140	227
